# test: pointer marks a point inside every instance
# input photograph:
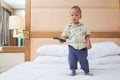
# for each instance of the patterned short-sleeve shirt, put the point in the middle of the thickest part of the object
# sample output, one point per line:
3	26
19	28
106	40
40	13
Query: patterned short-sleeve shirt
76	35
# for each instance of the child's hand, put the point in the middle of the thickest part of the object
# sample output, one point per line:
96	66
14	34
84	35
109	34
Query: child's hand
89	46
88	42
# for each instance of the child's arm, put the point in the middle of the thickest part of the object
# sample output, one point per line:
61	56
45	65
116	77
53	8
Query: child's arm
88	42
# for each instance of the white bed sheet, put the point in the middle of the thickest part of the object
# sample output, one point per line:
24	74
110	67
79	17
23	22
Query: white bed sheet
60	71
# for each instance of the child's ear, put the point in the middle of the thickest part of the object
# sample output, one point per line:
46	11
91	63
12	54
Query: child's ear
80	16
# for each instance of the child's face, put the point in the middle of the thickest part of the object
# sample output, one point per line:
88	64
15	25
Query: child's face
75	16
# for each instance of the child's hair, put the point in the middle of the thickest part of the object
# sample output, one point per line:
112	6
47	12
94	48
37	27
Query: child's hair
77	8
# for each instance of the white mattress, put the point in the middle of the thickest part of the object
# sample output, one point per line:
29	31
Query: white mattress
56	70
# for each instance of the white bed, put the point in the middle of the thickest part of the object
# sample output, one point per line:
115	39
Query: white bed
55	66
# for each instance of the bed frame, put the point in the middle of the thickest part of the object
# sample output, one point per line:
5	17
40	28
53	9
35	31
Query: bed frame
43	38
93	35
35	34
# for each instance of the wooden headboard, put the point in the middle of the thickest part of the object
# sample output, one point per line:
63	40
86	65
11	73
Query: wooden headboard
48	20
41	38
93	35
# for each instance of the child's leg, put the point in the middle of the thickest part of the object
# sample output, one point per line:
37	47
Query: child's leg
72	58
82	56
84	62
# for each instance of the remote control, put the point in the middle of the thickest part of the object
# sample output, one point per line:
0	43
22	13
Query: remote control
61	40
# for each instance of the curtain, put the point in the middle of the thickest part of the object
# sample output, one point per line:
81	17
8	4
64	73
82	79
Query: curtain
4	27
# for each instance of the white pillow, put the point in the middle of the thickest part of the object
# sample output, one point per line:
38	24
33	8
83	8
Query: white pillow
105	60
51	59
99	49
53	50
103	49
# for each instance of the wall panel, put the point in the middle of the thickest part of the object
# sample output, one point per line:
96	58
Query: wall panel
55	19
69	3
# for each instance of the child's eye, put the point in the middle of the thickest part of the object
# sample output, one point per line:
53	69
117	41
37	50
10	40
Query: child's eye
76	15
72	15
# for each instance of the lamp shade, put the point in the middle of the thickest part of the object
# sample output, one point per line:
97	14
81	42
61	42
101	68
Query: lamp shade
16	22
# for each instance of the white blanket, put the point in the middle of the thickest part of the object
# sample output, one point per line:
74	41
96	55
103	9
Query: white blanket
56	70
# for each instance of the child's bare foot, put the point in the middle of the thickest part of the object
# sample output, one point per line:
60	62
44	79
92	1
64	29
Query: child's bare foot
89	74
73	73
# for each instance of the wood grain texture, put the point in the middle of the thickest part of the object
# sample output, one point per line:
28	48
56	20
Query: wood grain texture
28	26
12	49
37	34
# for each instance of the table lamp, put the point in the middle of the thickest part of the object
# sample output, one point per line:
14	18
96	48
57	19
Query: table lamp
17	24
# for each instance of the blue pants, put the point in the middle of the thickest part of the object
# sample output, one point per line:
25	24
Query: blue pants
76	55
